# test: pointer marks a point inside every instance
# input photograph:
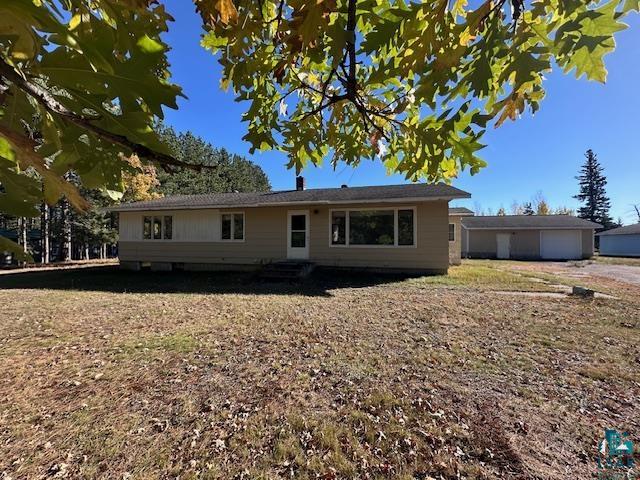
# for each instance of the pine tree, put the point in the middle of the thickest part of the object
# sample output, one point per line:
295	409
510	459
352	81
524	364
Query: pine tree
592	192
528	209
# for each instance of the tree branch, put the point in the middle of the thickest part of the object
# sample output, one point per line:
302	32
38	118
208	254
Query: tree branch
52	105
351	47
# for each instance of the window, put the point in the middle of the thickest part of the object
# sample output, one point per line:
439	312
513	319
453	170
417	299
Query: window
386	227
226	227
338	228
452	232
298	231
371	227
146	228
168	227
238	226
232	226
157	228
405	227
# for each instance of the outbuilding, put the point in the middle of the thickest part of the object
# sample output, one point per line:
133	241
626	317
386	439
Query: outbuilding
528	237
621	242
455	233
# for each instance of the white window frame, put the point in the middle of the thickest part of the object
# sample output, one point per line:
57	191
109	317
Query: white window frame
161	217
233	223
369	209
454	232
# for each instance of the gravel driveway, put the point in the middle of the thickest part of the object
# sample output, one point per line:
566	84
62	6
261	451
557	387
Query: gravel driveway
621	273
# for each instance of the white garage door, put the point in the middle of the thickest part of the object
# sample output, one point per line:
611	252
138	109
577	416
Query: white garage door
561	244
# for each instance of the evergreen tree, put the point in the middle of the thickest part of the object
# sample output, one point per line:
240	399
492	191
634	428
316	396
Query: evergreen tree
501	212
528	209
231	173
592	192
564	210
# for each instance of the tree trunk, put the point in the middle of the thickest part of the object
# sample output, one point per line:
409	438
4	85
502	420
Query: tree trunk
66	231
86	251
22	235
44	233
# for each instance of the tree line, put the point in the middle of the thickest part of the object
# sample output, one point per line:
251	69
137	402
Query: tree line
538	205
61	233
595	203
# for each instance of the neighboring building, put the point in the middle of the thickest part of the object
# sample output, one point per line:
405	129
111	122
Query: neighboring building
395	227
455	233
621	242
528	237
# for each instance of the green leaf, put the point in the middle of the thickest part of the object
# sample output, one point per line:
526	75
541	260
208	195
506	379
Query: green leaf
149	45
9	246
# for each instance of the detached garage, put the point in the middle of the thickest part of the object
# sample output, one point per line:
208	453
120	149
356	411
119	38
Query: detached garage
528	237
621	242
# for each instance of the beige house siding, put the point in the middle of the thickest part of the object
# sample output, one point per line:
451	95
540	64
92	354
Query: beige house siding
455	247
266	239
587	243
525	244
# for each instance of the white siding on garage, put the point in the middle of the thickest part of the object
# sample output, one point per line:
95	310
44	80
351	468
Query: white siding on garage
560	244
620	245
188	225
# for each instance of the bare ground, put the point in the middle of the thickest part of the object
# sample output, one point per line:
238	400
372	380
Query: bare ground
106	374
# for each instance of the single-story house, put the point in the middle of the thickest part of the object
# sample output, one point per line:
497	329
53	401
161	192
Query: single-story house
528	237
455	233
394	228
621	242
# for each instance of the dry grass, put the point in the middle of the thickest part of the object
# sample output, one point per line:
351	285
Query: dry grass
633	261
213	376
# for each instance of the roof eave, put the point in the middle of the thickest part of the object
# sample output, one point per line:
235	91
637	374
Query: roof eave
456	214
543	227
296	203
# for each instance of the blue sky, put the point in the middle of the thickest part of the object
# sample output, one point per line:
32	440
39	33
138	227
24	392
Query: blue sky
537	153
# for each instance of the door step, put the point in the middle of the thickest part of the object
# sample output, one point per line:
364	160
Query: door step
286	271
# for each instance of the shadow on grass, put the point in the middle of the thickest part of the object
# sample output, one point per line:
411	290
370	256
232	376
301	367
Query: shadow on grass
112	279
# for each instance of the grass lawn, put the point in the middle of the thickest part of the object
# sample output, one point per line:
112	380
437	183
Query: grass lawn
617	260
109	374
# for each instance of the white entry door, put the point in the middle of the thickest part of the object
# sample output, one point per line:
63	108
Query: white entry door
503	241
298	234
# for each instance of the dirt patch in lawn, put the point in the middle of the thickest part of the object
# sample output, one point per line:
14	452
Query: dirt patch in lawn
218	377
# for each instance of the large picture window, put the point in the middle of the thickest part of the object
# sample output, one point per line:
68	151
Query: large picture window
157	228
371	227
232	226
388	227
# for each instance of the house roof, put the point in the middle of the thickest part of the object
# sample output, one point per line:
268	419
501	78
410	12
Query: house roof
628	230
526	222
461	211
384	193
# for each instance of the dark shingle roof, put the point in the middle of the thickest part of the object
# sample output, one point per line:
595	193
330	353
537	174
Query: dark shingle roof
460	211
510	222
384	193
628	230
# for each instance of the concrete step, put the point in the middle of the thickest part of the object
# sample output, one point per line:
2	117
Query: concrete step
286	270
